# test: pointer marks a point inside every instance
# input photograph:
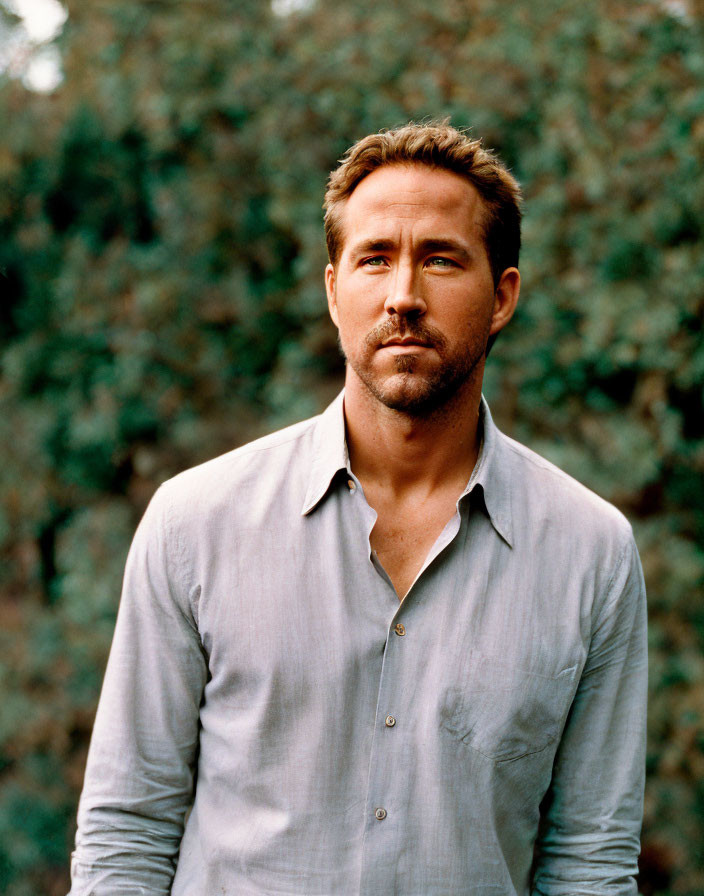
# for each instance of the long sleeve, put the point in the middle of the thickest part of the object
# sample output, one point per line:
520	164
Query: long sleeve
139	775
591	819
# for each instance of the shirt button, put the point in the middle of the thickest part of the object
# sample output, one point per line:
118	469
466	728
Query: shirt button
352	485
389	721
400	628
380	813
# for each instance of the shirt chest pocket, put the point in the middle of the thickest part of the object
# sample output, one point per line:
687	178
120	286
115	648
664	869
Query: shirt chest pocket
505	712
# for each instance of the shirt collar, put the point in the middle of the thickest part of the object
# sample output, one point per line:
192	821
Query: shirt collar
491	472
329	453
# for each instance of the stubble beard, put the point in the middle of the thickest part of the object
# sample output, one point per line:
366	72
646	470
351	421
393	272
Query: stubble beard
408	390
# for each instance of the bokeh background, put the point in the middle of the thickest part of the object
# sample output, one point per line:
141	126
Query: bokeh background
162	166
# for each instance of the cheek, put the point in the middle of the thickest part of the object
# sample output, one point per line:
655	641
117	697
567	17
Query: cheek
345	319
355	312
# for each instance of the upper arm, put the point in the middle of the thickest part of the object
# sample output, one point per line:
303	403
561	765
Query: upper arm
139	775
590	825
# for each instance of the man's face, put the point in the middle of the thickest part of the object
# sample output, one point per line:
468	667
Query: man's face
412	293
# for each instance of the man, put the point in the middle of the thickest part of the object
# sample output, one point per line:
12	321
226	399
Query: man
387	650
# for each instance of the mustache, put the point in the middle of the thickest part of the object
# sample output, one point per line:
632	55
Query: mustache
403	326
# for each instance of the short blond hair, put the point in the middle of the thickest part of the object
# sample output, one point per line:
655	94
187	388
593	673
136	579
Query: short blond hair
437	146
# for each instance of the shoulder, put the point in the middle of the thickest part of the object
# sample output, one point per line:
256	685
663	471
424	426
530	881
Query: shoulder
249	472
558	509
567	533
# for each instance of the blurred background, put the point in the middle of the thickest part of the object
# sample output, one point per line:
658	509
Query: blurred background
162	168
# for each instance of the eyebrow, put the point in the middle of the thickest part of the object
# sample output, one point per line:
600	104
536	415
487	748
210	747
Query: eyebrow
441	245
370	246
425	247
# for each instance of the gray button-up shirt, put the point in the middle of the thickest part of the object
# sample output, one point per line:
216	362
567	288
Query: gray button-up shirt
485	736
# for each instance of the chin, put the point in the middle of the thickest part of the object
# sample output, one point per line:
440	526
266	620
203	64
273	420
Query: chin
415	388
413	396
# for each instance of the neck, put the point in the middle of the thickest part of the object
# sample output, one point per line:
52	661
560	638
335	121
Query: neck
402	452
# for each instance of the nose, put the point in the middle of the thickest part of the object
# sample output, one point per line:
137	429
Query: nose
404	296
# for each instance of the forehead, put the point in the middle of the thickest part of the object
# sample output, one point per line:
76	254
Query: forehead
413	197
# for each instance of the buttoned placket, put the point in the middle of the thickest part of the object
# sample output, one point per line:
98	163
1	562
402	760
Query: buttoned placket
384	799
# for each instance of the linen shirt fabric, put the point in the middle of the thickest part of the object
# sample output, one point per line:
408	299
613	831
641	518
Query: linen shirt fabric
484	736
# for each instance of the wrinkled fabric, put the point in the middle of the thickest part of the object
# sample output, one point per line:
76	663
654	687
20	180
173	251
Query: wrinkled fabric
274	721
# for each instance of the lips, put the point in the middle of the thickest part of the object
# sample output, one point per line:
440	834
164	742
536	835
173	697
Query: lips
404	341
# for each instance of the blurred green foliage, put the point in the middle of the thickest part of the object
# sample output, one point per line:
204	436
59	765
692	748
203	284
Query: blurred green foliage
161	259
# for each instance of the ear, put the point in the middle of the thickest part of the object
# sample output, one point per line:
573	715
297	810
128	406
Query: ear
505	299
330	290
